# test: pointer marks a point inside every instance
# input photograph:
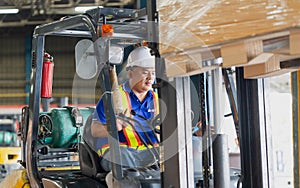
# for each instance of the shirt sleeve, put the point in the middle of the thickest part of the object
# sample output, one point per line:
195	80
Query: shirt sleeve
99	113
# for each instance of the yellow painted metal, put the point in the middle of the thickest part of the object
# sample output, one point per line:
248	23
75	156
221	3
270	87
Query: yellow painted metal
59	168
10	155
16	179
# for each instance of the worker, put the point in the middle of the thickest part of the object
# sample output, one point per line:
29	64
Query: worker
138	141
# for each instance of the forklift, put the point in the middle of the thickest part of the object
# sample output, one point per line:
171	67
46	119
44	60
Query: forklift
56	144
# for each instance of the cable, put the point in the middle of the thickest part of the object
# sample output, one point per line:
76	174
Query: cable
106	92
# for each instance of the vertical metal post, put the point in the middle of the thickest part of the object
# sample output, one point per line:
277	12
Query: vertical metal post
151	11
219	141
187	108
153	30
170	157
216	95
28	46
265	132
177	135
141	4
181	140
210	122
231	93
221	161
253	139
206	163
113	137
31	143
296	115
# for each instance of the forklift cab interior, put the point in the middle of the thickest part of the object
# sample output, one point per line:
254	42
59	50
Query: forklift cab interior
89	159
59	129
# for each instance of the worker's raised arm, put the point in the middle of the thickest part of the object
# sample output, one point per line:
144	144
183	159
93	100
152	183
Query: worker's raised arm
98	129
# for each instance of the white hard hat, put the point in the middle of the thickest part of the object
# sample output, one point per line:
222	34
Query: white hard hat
141	57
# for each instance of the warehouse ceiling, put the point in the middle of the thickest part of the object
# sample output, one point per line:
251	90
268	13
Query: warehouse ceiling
36	12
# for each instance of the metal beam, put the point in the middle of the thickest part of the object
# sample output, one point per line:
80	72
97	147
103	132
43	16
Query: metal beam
177	134
296	126
217	86
34	111
221	161
253	125
219	141
113	137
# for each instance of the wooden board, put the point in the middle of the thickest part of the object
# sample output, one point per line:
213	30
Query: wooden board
240	52
268	64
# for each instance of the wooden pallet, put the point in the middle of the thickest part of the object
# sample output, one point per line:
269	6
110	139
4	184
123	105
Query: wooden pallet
258	35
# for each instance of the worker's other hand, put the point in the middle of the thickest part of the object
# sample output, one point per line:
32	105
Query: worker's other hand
121	123
199	131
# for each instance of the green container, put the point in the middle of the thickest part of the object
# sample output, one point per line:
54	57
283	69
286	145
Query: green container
64	132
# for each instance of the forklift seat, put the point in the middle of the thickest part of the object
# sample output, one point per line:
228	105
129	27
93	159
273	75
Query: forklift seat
88	157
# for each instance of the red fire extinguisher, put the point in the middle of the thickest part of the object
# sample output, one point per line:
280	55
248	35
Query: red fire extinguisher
47	76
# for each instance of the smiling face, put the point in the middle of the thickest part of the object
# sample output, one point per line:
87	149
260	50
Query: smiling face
141	79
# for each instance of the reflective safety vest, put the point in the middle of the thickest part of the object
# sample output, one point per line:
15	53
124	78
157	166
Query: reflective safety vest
132	138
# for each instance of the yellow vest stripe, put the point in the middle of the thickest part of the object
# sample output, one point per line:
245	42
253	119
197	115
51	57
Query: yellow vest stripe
131	136
155	101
